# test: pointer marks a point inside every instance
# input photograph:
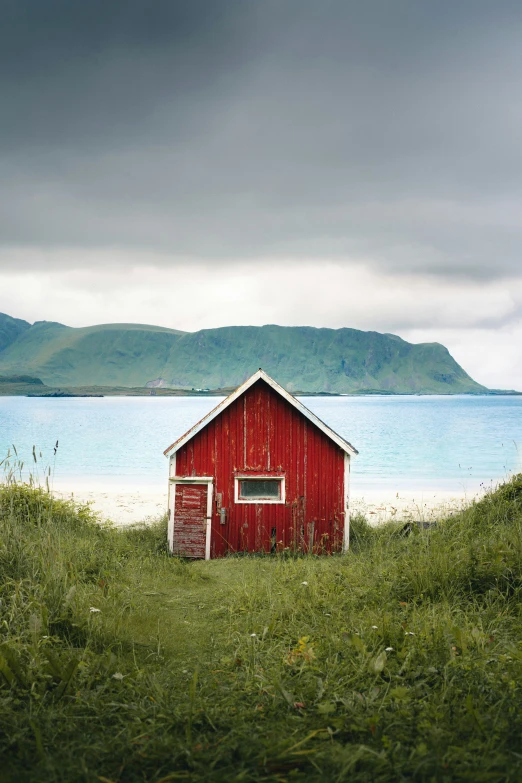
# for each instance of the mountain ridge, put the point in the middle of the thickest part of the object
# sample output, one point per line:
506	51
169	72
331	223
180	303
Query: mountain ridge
304	358
10	329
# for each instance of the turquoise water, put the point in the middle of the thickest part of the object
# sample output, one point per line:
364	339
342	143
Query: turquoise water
451	443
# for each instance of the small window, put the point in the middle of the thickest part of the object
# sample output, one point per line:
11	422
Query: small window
259	489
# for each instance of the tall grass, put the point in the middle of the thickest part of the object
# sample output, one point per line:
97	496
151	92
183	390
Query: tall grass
401	660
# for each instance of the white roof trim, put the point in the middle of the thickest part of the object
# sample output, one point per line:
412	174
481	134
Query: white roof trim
261	375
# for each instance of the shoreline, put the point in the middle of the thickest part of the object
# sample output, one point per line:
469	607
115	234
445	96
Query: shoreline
123	504
52	392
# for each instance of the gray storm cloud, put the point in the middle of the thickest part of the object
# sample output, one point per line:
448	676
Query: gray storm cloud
247	130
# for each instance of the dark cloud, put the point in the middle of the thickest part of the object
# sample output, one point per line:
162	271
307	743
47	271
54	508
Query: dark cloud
249	129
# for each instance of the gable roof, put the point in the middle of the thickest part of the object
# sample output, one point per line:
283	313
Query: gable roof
261	375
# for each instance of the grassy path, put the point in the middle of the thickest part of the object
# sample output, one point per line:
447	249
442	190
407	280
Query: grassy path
400	661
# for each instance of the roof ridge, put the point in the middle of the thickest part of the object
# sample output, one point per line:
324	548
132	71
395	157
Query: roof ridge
261	375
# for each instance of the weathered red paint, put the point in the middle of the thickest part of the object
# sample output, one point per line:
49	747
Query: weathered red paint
261	433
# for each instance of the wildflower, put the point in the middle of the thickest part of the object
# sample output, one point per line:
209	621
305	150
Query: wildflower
94	610
253	634
374	627
304	652
389	649
304	583
117	676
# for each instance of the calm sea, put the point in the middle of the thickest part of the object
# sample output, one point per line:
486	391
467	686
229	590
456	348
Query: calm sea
452	443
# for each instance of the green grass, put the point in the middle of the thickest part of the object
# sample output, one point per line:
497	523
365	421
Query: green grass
259	668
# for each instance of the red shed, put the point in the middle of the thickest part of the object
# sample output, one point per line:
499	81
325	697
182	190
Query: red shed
259	473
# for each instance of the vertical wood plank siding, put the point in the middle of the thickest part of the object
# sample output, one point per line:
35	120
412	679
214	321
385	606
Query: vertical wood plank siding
261	432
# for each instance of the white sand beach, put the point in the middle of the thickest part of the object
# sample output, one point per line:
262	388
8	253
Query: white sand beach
413	504
127	504
119	503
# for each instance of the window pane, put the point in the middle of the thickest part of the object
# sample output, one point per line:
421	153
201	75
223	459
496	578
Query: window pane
259	488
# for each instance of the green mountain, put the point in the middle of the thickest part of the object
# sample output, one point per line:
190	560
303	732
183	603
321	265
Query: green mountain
301	358
11	329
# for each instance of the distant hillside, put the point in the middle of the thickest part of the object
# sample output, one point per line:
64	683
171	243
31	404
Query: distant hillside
301	358
11	329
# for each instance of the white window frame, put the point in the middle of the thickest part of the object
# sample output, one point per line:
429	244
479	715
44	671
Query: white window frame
258	477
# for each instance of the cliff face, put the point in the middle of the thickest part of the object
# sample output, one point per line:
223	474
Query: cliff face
301	358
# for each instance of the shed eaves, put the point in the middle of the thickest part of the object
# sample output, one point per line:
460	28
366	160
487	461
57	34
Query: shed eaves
261	375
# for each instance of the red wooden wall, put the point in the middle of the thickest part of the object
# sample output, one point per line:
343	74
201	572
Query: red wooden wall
262	432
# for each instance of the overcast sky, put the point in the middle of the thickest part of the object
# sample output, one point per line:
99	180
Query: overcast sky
213	162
